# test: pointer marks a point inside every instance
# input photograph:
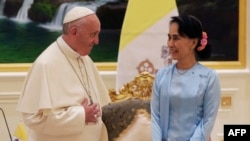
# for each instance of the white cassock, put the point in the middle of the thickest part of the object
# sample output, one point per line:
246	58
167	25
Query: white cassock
52	95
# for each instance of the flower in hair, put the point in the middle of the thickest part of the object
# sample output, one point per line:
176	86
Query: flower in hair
204	39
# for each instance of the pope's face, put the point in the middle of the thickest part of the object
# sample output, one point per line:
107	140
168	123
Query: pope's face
88	35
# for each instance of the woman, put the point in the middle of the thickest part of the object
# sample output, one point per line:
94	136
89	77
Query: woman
186	94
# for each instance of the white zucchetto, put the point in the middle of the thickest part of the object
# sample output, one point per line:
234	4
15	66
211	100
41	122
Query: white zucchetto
77	13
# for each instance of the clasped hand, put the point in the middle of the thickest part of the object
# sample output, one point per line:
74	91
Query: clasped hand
92	112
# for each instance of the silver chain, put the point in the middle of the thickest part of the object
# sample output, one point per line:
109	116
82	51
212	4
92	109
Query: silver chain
86	87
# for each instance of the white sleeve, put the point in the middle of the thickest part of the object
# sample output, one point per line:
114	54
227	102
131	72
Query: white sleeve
66	121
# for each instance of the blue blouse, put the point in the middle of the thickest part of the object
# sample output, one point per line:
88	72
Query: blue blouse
184	106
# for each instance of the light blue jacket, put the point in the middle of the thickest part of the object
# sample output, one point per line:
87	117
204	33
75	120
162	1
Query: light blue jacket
184	107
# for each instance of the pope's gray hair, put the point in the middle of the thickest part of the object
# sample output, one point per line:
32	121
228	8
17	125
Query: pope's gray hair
66	27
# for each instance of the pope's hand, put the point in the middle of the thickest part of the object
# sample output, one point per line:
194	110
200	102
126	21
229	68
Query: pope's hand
92	112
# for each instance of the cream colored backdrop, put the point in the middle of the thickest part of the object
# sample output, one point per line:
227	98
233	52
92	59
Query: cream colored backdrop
234	105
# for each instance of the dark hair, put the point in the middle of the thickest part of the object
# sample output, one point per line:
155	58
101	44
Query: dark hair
191	27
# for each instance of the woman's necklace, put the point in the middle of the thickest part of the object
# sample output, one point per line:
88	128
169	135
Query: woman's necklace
181	71
85	86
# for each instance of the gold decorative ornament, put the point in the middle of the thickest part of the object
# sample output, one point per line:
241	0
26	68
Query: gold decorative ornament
140	87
